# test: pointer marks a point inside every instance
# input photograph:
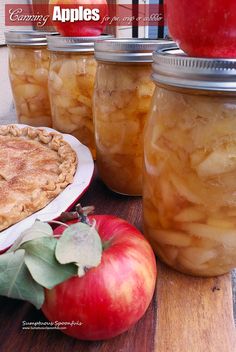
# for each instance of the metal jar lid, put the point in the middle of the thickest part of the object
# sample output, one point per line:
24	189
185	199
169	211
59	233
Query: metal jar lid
74	44
173	67
129	50
27	38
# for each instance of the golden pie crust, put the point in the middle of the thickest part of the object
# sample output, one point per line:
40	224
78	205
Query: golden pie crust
35	166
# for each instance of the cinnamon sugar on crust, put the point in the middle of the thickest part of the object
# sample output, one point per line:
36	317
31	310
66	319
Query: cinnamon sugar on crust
35	166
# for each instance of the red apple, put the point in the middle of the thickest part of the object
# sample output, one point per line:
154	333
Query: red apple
112	297
81	28
203	28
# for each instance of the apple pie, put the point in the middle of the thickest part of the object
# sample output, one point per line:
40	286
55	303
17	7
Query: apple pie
35	166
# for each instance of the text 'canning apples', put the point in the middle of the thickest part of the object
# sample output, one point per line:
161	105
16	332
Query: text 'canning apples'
113	296
203	28
78	18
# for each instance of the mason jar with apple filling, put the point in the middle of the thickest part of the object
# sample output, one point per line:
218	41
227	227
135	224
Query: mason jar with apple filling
71	80
189	190
28	72
122	95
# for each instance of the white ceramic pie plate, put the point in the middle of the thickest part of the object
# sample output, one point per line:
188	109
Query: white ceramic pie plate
64	200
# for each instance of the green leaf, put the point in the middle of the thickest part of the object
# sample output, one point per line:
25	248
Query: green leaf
81	244
41	261
37	230
16	281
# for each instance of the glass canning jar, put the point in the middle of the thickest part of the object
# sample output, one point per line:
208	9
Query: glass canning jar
189	190
122	95
28	72
71	81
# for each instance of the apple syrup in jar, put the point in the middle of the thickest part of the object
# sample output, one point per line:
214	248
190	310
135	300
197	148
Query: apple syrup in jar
122	96
28	72
71	82
189	190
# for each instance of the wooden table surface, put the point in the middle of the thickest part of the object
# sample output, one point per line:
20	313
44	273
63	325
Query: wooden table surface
186	314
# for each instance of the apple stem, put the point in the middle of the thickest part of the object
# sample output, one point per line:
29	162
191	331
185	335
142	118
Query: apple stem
80	213
83	213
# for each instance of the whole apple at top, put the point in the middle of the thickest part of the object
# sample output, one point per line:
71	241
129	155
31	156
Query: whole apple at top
82	27
203	28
